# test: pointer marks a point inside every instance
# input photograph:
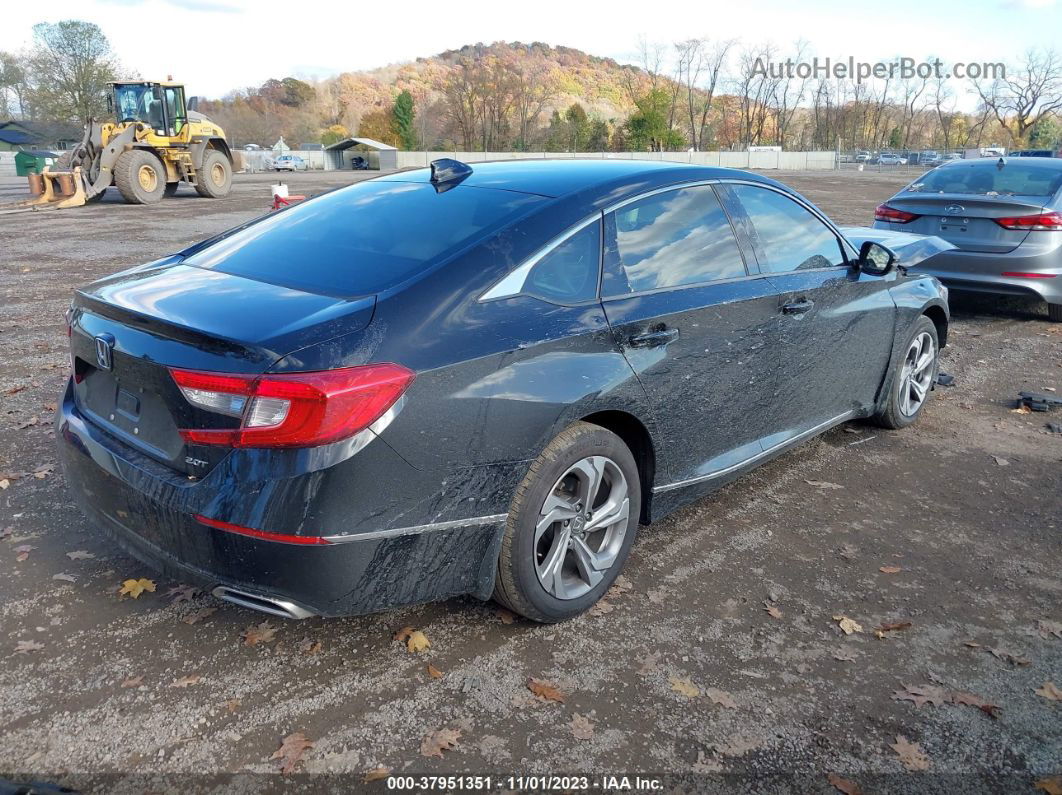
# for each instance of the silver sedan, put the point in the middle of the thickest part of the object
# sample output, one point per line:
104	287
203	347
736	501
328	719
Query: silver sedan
1004	217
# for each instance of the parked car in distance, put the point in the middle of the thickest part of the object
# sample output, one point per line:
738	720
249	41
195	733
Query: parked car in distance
886	159
863	157
289	163
252	148
951	156
1003	215
475	379
1033	153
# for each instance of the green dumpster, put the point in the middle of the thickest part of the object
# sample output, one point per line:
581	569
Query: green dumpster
33	161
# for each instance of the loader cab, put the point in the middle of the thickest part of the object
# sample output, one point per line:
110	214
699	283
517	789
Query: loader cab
158	105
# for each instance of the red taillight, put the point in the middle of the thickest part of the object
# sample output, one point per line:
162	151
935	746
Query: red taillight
1041	222
886	213
296	410
1023	275
228	527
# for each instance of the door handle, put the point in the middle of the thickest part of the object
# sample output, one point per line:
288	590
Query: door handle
798	307
653	339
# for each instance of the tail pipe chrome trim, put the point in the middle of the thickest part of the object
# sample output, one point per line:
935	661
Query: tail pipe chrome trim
263	604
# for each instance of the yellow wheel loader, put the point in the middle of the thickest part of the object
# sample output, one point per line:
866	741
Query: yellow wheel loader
156	143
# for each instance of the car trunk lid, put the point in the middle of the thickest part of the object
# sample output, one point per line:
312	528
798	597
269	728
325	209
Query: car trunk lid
127	331
967	221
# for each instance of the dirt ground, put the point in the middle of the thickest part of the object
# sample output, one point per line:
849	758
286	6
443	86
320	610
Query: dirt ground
684	676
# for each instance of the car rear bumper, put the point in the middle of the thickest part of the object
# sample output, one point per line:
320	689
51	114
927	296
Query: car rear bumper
148	511
984	273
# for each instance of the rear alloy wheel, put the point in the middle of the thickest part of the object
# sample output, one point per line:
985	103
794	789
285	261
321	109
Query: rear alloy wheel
140	177
215	175
913	377
571	525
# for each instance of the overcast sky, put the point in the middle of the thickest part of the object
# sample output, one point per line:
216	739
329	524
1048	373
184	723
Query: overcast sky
214	46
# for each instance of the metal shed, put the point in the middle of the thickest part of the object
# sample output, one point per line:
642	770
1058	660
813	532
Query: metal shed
380	155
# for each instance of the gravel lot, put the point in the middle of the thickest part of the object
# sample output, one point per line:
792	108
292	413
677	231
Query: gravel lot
952	525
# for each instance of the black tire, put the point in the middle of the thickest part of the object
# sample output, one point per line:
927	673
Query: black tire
1054	312
518	586
215	175
892	413
171	188
140	177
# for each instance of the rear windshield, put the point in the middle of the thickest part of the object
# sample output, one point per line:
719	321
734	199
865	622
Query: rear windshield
365	238
986	178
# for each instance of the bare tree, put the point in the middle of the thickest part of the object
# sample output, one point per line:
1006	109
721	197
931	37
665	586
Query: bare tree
700	67
1025	95
464	101
785	95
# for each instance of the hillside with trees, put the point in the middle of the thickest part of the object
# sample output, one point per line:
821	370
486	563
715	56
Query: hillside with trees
512	96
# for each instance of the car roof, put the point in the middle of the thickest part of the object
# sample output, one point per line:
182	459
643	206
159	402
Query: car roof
556	178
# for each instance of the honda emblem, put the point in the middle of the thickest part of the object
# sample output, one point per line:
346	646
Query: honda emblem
104	351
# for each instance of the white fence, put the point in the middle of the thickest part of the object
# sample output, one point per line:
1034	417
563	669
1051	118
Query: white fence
794	161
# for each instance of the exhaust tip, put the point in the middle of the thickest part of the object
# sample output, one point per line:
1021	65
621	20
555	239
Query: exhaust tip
263	604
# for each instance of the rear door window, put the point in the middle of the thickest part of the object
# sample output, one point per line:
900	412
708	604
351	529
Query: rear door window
365	238
787	235
670	239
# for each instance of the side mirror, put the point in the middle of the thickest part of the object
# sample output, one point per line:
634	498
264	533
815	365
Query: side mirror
875	259
193	103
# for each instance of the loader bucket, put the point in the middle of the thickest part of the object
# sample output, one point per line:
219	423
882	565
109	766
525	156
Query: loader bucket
51	190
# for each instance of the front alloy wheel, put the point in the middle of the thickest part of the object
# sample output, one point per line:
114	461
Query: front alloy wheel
581	527
916	376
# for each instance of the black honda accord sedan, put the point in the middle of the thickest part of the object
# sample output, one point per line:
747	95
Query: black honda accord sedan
474	380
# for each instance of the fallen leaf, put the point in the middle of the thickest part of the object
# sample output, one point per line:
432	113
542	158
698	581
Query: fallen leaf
1051	785
4	483
547	691
822	484
582	727
1049	691
890	569
134	588
232	704
415	640
27	424
199	615
911	754
648	663
186	681
291	751
26	646
844	785
79	554
182	593
438	741
43	471
720	697
1048	629
922	694
844	656
1000	461
684	686
310	646
434	672
22	552
506	618
376	774
771	610
260	633
847	625
1009	657
133	681
1022	409
971	700
64	577
892	626
602	608
657	596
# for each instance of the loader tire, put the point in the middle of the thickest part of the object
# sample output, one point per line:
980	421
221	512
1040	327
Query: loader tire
140	177
215	175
